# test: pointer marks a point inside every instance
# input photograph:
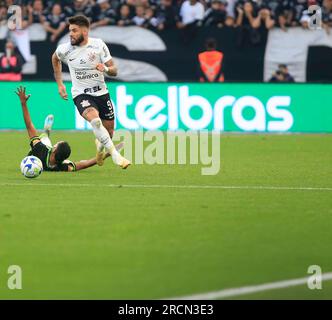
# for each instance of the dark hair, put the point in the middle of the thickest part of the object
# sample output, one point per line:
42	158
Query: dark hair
79	20
211	43
62	152
282	65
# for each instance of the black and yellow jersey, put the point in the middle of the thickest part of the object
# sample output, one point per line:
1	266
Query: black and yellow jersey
43	152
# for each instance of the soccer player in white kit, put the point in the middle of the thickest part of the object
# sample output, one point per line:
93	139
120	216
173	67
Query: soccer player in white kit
88	59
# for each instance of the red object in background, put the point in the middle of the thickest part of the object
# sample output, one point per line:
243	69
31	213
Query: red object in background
9	76
211	66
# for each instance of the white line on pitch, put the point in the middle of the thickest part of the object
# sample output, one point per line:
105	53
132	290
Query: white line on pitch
227	293
159	186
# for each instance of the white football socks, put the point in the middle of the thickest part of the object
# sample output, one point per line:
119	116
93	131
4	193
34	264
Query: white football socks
104	138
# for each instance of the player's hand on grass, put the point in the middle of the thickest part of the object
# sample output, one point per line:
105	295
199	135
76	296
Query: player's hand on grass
22	94
63	92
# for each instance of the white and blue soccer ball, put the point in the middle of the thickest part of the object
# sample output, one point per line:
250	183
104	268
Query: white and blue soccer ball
31	167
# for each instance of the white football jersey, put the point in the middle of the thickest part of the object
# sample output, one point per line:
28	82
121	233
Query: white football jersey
82	61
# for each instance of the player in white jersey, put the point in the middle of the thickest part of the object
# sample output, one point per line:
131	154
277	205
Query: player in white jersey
88	59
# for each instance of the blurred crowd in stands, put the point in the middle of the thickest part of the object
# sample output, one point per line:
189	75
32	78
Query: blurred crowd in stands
162	14
282	75
250	17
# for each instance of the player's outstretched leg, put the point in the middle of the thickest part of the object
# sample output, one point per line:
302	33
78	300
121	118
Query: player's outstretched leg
104	138
48	124
45	136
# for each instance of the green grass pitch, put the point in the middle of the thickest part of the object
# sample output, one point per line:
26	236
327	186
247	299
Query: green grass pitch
91	241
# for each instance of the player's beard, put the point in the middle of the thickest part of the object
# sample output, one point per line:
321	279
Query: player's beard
78	41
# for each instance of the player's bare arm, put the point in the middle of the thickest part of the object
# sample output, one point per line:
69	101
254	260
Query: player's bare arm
84	164
109	68
57	67
21	93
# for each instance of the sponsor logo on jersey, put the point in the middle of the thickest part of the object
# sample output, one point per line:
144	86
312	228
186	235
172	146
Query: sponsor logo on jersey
83	75
82	61
93	89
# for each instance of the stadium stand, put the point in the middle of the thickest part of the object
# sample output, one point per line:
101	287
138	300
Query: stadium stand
259	33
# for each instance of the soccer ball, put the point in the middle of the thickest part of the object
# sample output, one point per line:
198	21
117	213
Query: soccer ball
31	167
